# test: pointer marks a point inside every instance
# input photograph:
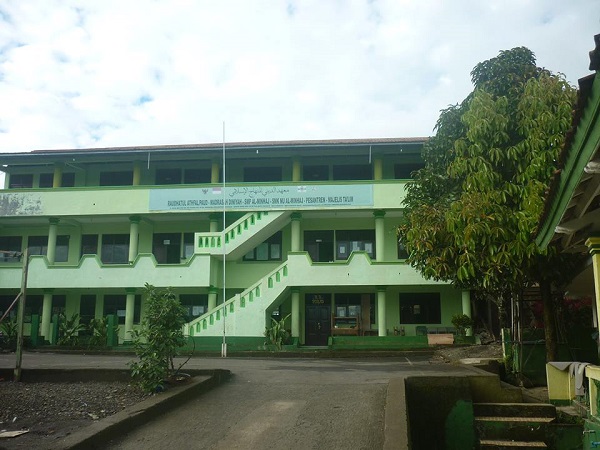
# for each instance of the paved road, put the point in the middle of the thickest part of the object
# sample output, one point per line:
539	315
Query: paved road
272	403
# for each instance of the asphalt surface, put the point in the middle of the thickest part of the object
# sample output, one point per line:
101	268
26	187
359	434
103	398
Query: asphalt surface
271	403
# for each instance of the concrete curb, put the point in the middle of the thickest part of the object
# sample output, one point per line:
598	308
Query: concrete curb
396	431
96	435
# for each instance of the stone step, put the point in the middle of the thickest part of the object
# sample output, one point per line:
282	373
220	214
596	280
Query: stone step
490	444
512	428
514	410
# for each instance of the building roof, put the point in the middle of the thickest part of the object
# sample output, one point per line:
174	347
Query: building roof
572	207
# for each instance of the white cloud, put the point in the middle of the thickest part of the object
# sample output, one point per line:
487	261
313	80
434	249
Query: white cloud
114	73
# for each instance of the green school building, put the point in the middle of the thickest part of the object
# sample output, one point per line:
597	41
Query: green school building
306	228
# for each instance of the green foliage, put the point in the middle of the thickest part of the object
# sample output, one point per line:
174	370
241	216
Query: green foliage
98	332
68	329
277	334
157	341
462	322
472	212
9	331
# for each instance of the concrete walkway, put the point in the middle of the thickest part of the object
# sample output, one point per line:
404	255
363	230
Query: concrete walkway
276	403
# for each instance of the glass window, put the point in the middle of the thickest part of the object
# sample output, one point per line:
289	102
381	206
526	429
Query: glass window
11	247
33	305
269	250
124	178
87	308
20	181
68	179
315	173
194	304
115	305
196	176
188	245
46	180
115	248
402	252
420	308
166	248
37	245
348	241
352	172
89	244
404	171
168	176
258	174
62	248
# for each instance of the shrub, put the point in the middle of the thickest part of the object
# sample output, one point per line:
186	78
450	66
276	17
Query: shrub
461	322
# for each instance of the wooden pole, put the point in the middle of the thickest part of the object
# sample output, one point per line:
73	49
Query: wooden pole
21	317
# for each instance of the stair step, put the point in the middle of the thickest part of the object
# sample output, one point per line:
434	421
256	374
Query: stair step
514	419
489	444
512	428
514	409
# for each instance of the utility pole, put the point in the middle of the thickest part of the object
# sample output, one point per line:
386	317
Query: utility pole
21	316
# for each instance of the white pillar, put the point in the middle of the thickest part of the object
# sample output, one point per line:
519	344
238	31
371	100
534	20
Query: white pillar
295	312
129	311
212	298
46	315
466	308
379	234
52	233
134	231
214	222
381	317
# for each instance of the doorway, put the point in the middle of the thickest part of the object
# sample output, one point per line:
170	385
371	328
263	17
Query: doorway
318	319
319	245
167	248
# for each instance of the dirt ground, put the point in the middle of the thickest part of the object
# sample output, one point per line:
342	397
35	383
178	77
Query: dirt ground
50	411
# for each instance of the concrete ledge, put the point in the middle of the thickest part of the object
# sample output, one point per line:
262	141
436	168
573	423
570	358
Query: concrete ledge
396	432
100	432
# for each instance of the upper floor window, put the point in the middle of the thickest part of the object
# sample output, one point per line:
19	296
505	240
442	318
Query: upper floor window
89	244
115	248
47	180
116	304
124	178
10	247
269	250
196	176
168	176
315	173
20	181
38	245
258	174
424	307
404	171
352	172
348	241
194	304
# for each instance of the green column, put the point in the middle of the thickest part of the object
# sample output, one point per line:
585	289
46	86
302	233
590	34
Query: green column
296	170
52	232
57	177
296	312
466	308
46	315
134	231
377	169
129	311
379	235
137	173
381	316
296	232
215	170
212	298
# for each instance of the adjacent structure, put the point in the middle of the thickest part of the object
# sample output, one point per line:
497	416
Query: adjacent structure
306	228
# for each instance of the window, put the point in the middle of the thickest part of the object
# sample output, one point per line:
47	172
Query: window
315	173
5	302
258	174
87	308
352	172
195	305
166	248
115	248
188	245
269	250
20	181
196	176
116	305
46	180
353	305
58	304
12	245
68	180
403	171
402	252
89	244
62	248
37	245
421	308
348	241
124	178
168	176
319	245
33	305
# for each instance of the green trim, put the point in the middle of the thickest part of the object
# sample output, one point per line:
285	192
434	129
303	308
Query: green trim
379	214
296	216
585	144
54	220
135	219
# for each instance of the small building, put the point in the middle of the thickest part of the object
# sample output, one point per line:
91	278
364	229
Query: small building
306	228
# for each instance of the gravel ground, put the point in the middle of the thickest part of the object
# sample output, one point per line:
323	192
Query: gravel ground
51	411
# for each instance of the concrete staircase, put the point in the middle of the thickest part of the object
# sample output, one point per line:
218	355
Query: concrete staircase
501	426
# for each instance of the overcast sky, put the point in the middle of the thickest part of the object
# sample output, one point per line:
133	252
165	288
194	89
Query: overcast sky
98	73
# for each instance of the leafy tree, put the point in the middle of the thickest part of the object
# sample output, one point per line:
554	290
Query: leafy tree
472	211
157	341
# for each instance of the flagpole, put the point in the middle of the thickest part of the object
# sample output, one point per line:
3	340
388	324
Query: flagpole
224	344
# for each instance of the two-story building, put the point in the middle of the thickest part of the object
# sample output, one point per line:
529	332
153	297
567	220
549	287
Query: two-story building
306	228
